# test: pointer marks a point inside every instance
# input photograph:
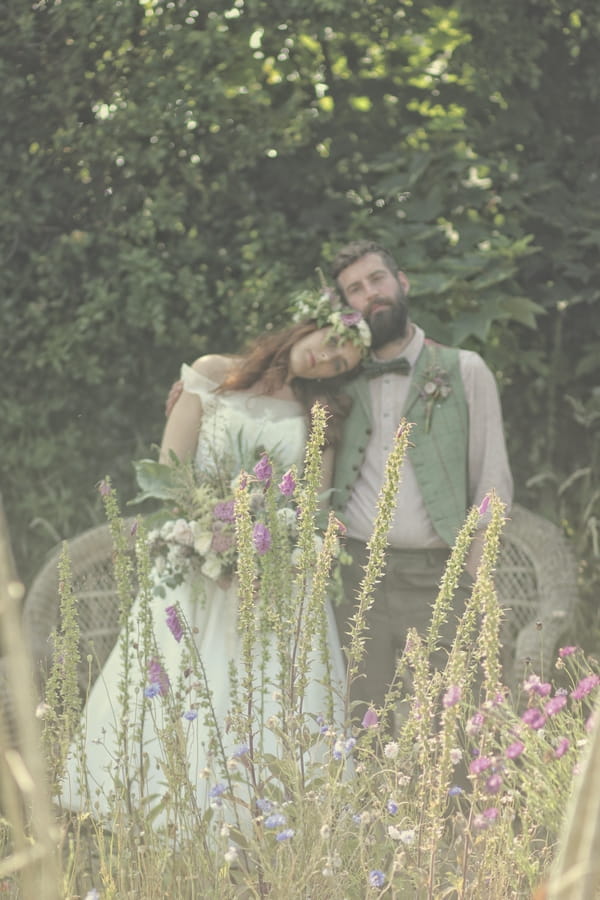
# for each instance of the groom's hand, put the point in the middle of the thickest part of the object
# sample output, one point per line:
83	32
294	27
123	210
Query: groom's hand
173	396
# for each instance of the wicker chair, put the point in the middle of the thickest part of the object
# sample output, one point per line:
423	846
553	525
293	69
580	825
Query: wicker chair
535	580
91	554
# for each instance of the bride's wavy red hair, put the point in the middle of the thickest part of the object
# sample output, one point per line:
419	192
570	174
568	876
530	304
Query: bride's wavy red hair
267	360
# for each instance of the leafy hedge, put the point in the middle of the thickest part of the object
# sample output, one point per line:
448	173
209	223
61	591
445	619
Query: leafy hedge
170	173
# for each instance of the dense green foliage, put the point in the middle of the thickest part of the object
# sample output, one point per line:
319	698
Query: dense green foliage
169	173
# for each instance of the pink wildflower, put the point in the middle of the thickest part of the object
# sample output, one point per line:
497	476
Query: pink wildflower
515	749
493	784
287	485
452	696
224	510
585	686
534	685
562	747
157	676
261	537
534	717
174	623
555	705
104	488
221	541
483	506
370	719
475	723
567	651
264	470
480	765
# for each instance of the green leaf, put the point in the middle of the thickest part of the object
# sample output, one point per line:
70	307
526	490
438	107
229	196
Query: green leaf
156	480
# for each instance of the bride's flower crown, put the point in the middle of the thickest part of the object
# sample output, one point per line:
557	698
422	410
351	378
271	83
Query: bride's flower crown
347	323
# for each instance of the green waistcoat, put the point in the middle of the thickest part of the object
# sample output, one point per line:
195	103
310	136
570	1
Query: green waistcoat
439	453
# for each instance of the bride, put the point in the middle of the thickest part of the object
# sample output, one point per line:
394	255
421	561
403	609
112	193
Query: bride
193	710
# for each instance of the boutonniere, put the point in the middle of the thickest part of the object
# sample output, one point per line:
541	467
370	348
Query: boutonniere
436	387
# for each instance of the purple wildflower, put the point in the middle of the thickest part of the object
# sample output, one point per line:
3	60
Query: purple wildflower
534	685
452	696
555	705
493	784
174	623
217	790
264	805
562	747
392	807
455	791
483	506
242	750
585	686
104	488
534	717
515	749
376	878
480	765
224	511
475	723
370	718
287	485
264	470
285	835
158	676
261	537
190	715
566	651
221	541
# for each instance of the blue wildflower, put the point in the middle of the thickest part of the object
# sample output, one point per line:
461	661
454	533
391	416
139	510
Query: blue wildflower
276	820
153	690
190	715
376	878
285	835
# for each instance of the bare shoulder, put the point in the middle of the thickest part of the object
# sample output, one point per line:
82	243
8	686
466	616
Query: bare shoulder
214	366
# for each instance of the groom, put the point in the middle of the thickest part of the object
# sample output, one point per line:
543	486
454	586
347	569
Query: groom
457	455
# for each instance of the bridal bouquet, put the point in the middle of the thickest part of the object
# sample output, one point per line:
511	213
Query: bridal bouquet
193	531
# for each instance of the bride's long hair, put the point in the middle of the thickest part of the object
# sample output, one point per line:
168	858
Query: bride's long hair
267	360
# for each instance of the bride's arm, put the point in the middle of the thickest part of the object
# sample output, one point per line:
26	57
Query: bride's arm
183	425
181	431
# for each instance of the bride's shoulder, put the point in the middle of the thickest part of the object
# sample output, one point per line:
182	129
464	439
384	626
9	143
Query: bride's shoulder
213	366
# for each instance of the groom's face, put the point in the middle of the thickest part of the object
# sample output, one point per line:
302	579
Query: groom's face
379	294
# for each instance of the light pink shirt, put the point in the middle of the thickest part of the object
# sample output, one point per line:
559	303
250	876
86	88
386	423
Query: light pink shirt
488	459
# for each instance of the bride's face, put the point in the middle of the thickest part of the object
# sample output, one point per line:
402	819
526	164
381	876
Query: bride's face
321	355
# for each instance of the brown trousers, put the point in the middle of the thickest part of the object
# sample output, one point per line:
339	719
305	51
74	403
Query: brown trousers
402	599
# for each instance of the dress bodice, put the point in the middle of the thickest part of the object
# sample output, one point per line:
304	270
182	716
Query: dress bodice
238	426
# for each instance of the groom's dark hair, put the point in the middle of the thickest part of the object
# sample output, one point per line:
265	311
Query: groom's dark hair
355	250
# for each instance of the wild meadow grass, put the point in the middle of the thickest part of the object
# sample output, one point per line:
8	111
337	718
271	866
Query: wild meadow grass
456	788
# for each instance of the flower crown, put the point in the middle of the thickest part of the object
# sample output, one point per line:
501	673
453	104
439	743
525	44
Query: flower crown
348	324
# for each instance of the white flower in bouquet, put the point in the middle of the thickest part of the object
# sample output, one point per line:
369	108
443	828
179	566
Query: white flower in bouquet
182	533
212	566
202	542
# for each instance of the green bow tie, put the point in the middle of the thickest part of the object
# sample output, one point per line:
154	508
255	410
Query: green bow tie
374	367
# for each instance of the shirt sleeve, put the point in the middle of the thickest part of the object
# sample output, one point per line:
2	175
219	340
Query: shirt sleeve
489	468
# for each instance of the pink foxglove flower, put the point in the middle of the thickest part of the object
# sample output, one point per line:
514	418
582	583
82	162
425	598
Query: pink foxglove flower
261	537
174	623
370	718
158	677
287	485
264	470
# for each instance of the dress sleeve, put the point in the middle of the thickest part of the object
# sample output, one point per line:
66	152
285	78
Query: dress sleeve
194	383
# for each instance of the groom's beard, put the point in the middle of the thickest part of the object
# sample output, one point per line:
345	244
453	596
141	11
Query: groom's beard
388	323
